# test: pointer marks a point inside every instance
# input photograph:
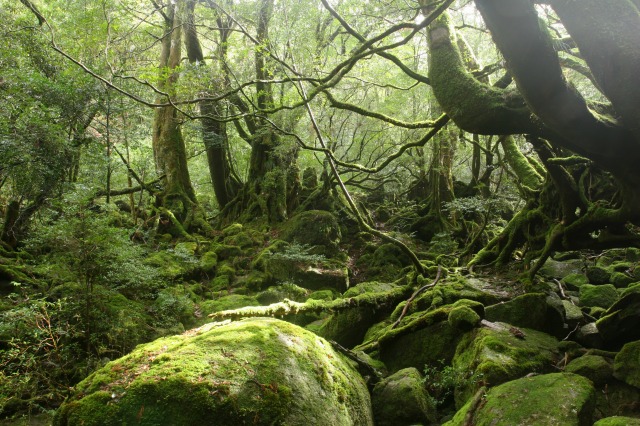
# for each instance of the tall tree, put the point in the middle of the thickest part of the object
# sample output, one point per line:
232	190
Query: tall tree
178	195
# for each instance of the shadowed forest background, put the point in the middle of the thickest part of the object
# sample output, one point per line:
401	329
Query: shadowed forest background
440	198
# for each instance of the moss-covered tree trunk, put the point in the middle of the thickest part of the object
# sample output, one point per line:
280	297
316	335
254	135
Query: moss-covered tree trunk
272	187
214	129
177	196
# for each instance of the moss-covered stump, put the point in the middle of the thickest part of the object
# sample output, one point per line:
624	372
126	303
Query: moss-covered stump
619	325
499	354
594	367
618	421
603	295
626	366
401	400
547	400
254	372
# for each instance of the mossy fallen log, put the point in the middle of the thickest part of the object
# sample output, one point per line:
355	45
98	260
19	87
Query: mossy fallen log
383	300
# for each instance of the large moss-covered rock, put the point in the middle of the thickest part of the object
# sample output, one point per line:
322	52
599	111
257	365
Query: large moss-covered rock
547	400
528	310
575	281
626	366
498	354
603	295
401	399
598	275
560	269
619	325
594	367
258	372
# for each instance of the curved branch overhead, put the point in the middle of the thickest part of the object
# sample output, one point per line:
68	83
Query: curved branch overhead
534	64
474	106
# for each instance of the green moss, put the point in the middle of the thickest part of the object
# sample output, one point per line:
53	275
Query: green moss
322	295
528	310
463	318
278	293
169	265
594	367
315	228
598	275
575	280
603	295
225	251
226	303
368	287
547	400
208	262
626	366
618	421
241	239
401	399
233	229
497	356
621	280
260	372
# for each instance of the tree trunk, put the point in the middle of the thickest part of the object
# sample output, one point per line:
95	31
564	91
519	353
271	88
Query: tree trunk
178	196
214	132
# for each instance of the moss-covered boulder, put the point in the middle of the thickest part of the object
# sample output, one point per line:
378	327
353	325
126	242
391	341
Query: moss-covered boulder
315	228
258	372
603	295
626	366
500	353
619	325
621	279
598	275
618	421
401	400
172	264
574	281
463	318
547	400
528	310
560	269
594	367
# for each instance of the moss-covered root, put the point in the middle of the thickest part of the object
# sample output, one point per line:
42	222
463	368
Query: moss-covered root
289	307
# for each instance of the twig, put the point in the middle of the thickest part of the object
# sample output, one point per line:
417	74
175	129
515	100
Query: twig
415	294
564	296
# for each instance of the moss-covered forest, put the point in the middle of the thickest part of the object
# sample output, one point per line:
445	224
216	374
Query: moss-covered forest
323	212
